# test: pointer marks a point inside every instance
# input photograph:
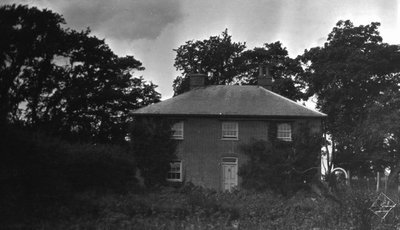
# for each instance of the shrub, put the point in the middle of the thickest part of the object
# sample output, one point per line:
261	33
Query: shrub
153	148
192	207
39	171
279	165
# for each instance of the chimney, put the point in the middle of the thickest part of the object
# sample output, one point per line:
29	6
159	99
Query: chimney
264	78
197	80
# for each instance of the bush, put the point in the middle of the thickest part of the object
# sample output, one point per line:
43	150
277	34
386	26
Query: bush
39	171
281	166
153	148
192	207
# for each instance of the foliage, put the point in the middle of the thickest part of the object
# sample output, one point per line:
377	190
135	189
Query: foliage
38	171
280	165
283	69
28	43
153	148
217	55
346	75
380	133
197	208
69	83
227	62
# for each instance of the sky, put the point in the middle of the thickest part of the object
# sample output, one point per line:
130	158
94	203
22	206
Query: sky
150	29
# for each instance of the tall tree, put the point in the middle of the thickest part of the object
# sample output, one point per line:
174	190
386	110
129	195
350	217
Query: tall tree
219	56
349	72
28	43
380	134
228	62
283	69
101	113
71	83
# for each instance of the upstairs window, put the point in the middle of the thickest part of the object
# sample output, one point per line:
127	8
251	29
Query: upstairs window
230	130
175	171
177	130
284	132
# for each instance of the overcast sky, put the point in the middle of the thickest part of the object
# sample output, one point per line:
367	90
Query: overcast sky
150	29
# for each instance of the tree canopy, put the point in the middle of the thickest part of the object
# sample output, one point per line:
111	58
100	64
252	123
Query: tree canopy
217	55
228	62
283	69
347	75
30	38
65	81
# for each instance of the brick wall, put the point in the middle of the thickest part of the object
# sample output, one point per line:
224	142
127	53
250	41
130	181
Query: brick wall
203	148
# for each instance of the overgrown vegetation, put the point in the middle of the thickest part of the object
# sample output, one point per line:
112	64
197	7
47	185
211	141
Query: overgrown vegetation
40	173
153	148
193	207
280	165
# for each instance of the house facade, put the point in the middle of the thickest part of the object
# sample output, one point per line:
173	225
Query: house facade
212	122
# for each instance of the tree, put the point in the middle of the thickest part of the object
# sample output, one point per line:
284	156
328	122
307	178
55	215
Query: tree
283	69
380	133
70	83
111	92
28	43
153	148
217	55
228	62
347	74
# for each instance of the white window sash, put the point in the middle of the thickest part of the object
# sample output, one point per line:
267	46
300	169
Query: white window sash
284	132
177	130
175	172
230	130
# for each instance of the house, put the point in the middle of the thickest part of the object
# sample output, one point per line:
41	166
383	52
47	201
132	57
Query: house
211	122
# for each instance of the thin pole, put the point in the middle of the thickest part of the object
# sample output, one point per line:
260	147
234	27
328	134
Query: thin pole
348	178
377	181
386	179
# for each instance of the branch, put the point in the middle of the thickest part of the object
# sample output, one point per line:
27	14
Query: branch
302	172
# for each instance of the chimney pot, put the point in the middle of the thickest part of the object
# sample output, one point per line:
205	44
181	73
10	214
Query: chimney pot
264	78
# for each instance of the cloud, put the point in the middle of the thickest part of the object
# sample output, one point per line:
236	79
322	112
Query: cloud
117	19
123	18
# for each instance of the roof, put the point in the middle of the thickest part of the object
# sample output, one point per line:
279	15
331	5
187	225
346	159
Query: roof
229	100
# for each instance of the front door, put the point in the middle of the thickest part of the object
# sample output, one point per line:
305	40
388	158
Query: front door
229	173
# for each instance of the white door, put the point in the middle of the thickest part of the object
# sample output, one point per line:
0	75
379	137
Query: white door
229	175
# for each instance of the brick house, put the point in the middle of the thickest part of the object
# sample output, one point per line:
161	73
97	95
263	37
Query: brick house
211	122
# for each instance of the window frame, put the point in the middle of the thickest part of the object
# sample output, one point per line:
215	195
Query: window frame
172	171
284	131
224	129
180	129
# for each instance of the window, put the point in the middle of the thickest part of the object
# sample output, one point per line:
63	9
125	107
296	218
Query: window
177	130
175	171
230	130
284	132
230	160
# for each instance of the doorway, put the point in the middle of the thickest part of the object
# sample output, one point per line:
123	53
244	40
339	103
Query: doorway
229	173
